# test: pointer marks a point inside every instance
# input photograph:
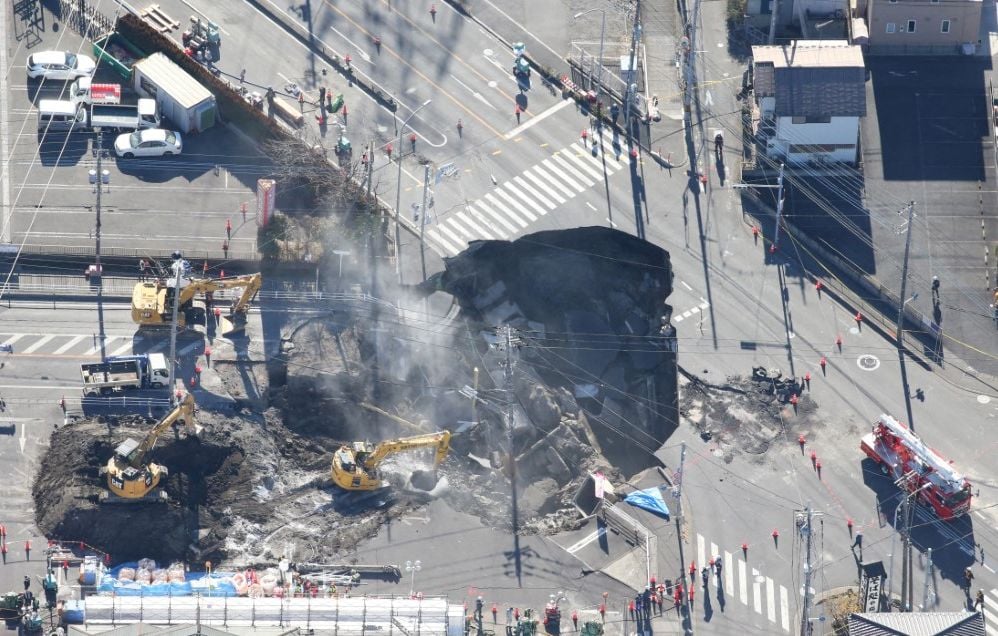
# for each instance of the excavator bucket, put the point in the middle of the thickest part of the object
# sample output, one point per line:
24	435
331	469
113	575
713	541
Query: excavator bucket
232	325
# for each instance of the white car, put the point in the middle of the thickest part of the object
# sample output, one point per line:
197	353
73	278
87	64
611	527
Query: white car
153	142
60	65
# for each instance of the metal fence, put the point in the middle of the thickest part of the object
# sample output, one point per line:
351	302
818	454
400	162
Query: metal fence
85	19
586	56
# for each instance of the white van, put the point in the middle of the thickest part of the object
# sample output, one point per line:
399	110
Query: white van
57	115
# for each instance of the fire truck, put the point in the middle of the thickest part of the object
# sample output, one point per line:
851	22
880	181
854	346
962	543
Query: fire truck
917	468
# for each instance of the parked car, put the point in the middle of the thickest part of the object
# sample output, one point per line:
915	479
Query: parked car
152	142
60	65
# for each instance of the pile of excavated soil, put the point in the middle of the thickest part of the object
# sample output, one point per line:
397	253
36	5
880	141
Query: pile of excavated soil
744	416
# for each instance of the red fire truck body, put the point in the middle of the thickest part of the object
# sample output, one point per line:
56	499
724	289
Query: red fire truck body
901	453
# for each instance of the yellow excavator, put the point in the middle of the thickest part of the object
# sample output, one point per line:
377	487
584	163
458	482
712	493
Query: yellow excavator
129	479
152	302
355	467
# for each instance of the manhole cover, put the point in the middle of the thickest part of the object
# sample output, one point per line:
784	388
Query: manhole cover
868	362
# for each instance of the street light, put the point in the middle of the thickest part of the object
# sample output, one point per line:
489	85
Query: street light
398	192
412	567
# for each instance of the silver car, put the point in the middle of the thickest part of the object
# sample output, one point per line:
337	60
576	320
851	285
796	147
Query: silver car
60	65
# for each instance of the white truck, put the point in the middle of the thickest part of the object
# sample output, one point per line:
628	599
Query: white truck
86	91
182	99
111	117
120	373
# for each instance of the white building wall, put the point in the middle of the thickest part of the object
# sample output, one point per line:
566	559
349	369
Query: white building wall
837	139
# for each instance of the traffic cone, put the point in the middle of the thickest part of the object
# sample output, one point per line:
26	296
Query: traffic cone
634	154
630	607
345	112
62	403
838	343
849	526
575	619
793	402
823	363
744	550
817	467
801	441
776	538
755	234
818	286
807	380
814	458
772	248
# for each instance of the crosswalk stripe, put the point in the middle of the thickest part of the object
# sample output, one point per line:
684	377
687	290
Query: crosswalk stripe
39	344
520	196
553	164
509	214
188	348
498	216
443	243
457	240
473	231
989	618
581	166
742	583
123	349
595	161
770	600
484	216
159	346
513	202
610	153
570	168
542	170
756	592
97	347
13	339
72	342
784	609
701	551
543	184
520	181
729	573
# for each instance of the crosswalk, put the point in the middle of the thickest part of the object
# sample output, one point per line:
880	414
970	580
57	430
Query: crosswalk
754	589
514	205
88	345
991	607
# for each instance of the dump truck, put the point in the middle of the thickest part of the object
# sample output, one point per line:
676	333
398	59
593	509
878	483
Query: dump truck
121	373
182	99
123	116
117	52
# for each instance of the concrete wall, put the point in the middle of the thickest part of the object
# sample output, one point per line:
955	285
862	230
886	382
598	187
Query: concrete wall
964	24
837	139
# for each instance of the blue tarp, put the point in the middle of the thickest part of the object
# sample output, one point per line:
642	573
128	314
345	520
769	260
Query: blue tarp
220	584
649	499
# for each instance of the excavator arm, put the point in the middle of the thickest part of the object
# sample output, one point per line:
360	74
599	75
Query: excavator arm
184	411
439	440
151	302
250	283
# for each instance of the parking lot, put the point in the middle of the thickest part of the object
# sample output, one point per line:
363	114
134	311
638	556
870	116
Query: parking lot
927	139
166	203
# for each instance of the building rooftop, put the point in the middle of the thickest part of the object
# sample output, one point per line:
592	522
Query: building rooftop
917	624
810	54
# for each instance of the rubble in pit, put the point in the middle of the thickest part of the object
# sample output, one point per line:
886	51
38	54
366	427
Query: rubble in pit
747	414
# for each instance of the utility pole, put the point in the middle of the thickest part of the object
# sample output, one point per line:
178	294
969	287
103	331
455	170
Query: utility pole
178	266
507	340
925	584
629	89
99	178
806	528
688	621
772	21
907	518
688	93
779	209
422	220
901	303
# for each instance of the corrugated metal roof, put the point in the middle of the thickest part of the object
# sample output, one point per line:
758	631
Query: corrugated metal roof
812	78
917	624
162	71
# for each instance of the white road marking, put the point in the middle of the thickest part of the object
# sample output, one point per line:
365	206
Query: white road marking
701	550
188	348
513	202
498	216
473	92
538	119
784	609
72	342
363	54
612	224
729	583
542	169
520	181
770	600
588	157
570	157
478	231
581	543
543	184
558	167
457	240
123	349
683	283
5	234
756	592
520	196
742	583
39	344
512	216
97	347
444	244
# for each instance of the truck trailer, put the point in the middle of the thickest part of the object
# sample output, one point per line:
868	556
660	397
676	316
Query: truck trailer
117	52
120	373
182	99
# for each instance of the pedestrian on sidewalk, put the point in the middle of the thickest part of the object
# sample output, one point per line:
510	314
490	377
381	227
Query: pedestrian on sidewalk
968	579
228	228
27	551
935	290
27	582
979	601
